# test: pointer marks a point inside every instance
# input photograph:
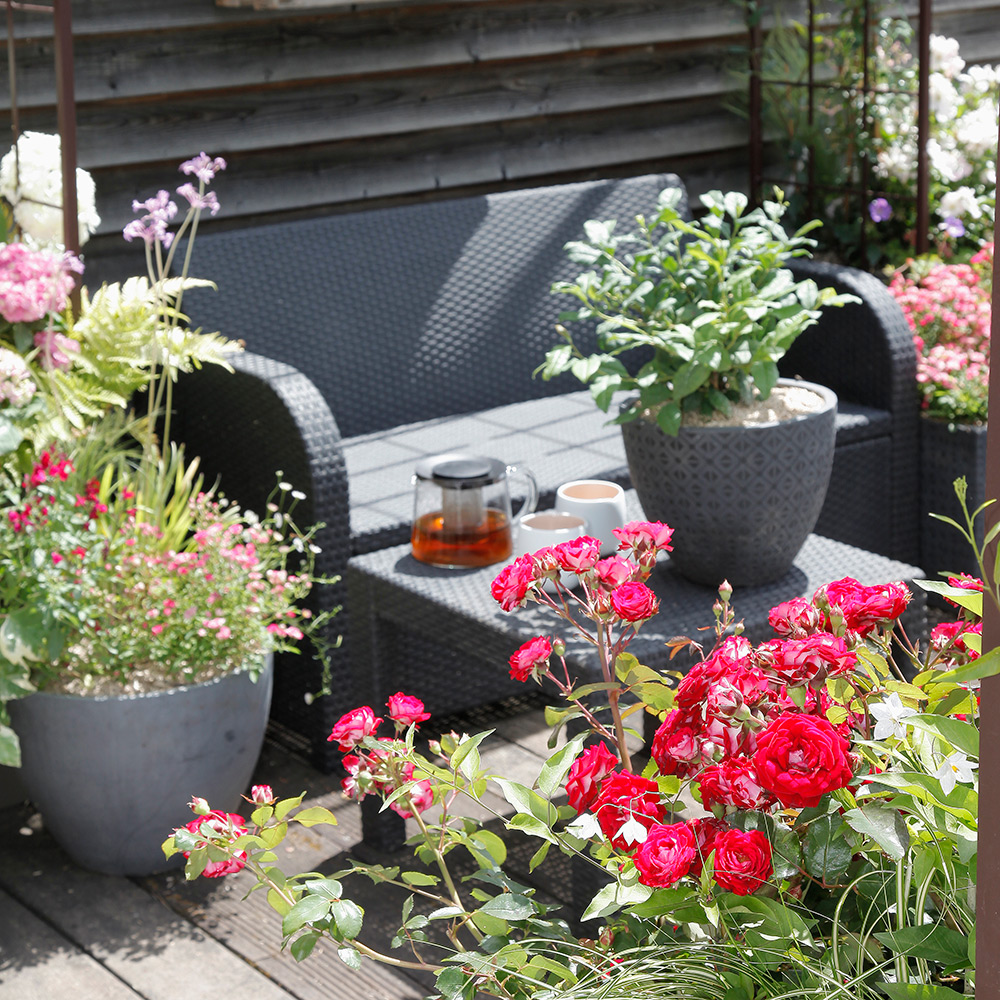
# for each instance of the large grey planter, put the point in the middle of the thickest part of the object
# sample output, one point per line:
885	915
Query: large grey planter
112	776
741	500
948	451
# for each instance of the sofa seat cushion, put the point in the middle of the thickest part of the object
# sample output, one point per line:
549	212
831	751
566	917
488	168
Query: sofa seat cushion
559	438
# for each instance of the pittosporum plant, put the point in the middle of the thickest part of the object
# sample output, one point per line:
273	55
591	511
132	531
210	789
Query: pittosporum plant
803	823
711	302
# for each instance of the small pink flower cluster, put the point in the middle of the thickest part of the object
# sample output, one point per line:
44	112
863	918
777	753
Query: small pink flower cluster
947	306
34	283
382	769
750	726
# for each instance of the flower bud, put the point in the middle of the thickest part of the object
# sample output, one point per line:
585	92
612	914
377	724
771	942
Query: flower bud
725	591
558	647
199	806
262	795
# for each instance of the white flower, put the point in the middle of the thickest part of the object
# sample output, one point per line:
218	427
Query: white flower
585	826
898	162
948	164
981	79
944	56
633	832
890	714
943	97
976	130
956	767
16	386
959	203
31	181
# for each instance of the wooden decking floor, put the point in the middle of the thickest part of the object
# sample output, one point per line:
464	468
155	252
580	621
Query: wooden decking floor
65	930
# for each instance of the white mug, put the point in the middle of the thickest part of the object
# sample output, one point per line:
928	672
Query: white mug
600	503
545	528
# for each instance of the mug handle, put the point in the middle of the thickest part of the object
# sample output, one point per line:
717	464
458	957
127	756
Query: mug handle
531	502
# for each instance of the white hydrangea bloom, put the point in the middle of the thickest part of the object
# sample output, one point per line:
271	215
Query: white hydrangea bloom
31	181
944	56
949	164
977	130
960	203
980	79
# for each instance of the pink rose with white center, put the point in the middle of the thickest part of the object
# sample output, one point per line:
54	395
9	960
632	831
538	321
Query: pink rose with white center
814	658
353	727
864	608
232	827
795	618
406	710
644	536
634	602
419	798
732	783
261	795
579	555
531	659
583	783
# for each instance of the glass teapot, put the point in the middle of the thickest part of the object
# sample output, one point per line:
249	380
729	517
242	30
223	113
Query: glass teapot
462	511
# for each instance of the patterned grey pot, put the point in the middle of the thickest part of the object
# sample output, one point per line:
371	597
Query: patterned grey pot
112	776
741	500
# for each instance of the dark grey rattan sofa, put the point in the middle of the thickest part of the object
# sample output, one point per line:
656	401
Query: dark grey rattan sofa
376	337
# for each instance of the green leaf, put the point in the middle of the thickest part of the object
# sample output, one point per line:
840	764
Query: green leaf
284	806
826	853
350	957
328	887
307	910
884	825
539	856
916	991
419	878
348	917
491	844
532	826
10	747
934	942
509	906
451	983
315	816
303	945
960	735
526	801
466	757
555	769
669	419
986	666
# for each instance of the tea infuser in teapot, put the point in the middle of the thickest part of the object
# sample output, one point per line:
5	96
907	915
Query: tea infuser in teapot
462	510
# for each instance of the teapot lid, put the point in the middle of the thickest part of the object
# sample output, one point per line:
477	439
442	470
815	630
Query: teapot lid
458	470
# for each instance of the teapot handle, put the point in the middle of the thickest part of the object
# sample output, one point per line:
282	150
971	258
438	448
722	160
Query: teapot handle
531	501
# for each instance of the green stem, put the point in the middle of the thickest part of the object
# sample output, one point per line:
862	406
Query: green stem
607	665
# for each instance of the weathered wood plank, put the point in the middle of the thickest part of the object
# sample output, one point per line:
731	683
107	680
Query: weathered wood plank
116	133
302	49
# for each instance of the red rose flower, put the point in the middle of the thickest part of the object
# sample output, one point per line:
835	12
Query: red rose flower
814	657
233	827
512	583
532	656
616	570
352	728
742	861
583	782
626	797
800	758
405	709
863	608
706	830
666	855
634	602
677	743
964	581
733	782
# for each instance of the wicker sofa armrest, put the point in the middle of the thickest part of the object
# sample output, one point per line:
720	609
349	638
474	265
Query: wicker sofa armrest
246	427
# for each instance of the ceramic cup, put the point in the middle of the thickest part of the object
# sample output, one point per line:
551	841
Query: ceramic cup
549	527
600	503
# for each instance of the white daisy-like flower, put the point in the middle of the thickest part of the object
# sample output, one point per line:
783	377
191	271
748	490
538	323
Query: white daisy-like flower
890	715
956	767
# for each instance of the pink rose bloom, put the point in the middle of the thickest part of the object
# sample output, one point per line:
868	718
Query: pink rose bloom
864	608
421	797
666	855
644	536
634	602
616	570
531	659
795	618
511	586
232	826
579	555
406	710
353	727
815	657
583	782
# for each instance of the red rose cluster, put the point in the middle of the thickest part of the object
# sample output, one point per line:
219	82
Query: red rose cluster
749	726
379	769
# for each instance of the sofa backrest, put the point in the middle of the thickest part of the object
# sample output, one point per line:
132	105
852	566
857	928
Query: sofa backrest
412	312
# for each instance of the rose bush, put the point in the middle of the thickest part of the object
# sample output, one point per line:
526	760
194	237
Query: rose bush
803	822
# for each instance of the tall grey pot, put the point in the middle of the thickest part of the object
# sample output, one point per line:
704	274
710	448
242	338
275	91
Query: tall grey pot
112	776
741	500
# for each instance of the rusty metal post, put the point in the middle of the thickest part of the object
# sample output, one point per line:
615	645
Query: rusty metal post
66	111
923	127
988	871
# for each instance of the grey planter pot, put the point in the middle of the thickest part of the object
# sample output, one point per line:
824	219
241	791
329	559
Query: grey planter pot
112	776
741	500
947	452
